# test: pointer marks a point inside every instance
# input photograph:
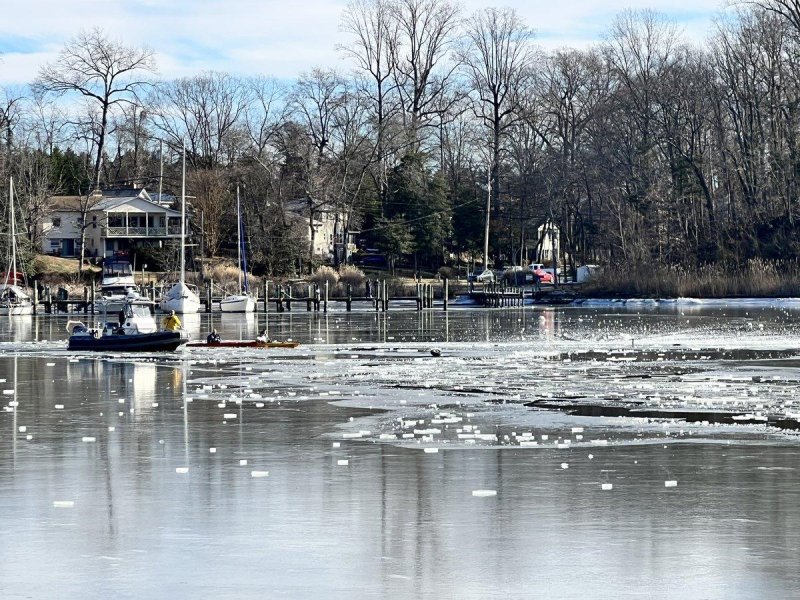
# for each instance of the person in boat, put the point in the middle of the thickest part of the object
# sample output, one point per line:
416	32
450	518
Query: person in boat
171	322
263	337
213	337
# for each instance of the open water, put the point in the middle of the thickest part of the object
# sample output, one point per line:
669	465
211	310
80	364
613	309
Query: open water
544	454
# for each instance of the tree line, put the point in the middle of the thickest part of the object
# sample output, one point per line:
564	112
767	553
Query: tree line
642	149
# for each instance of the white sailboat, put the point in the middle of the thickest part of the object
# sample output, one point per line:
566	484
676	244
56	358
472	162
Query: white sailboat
243	301
182	298
15	299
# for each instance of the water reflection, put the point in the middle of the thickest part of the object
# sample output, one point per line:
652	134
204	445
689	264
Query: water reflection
394	522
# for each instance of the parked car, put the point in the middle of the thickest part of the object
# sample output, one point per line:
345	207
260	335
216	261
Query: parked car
544	276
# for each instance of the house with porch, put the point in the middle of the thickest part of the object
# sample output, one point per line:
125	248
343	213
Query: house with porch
328	229
117	221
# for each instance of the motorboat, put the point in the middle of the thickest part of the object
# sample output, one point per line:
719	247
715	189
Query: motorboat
135	330
117	277
181	297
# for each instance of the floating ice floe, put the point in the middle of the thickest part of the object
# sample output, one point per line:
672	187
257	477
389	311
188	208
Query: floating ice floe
431	450
63	504
606	486
257	474
88	439
342	462
670	483
484	493
182	470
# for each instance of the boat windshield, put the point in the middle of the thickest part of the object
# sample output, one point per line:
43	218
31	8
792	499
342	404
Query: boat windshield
117	268
140	310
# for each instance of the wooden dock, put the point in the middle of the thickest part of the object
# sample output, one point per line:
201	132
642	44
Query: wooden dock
315	298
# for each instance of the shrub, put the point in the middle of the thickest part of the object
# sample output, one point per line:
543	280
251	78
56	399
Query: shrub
349	274
324	274
447	272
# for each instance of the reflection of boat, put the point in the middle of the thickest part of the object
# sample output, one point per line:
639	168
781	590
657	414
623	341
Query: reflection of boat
14	297
243	301
243	344
182	298
135	331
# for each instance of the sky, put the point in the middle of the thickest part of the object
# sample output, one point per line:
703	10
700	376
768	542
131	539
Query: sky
280	38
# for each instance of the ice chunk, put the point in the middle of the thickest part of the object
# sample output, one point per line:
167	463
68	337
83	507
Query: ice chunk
336	444
606	486
23	428
259	473
64	504
51	364
342	462
212	450
484	493
565	465
181	469
243	462
431	450
577	430
111	428
670	483
229	416
88	439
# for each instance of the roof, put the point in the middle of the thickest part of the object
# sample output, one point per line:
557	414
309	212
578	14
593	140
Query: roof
109	200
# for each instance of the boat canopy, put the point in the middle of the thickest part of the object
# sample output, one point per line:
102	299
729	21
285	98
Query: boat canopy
15	290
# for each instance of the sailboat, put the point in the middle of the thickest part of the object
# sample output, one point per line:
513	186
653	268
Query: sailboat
181	298
15	299
243	301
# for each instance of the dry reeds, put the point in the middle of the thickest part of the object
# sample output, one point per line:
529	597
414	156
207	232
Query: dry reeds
757	278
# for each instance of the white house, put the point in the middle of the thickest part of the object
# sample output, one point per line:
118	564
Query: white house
118	220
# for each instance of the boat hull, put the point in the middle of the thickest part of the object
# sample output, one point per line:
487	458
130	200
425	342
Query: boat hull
16	310
241	303
243	344
182	306
160	341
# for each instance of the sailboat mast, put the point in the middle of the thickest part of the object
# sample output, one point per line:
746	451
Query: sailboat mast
183	216
13	231
239	237
161	168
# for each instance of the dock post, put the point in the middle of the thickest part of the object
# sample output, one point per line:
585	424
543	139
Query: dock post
445	293
385	296
35	296
85	300
325	305
308	299
377	294
316	297
419	296
209	286
349	297
288	297
266	295
94	293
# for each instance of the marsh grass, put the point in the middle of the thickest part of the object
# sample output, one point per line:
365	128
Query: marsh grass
755	279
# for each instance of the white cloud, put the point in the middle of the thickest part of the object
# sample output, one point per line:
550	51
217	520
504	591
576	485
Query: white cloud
274	37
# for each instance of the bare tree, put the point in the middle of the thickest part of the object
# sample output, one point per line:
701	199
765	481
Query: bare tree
373	29
425	33
102	70
498	59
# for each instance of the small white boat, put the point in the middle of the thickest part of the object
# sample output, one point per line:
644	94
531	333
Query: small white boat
14	301
181	298
238	303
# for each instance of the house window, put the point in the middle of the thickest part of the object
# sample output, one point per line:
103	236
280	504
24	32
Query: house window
94	222
55	244
56	221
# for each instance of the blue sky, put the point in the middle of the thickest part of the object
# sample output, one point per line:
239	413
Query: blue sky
281	38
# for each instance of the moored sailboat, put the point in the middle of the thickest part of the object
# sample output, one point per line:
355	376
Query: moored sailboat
243	301
15	299
181	297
